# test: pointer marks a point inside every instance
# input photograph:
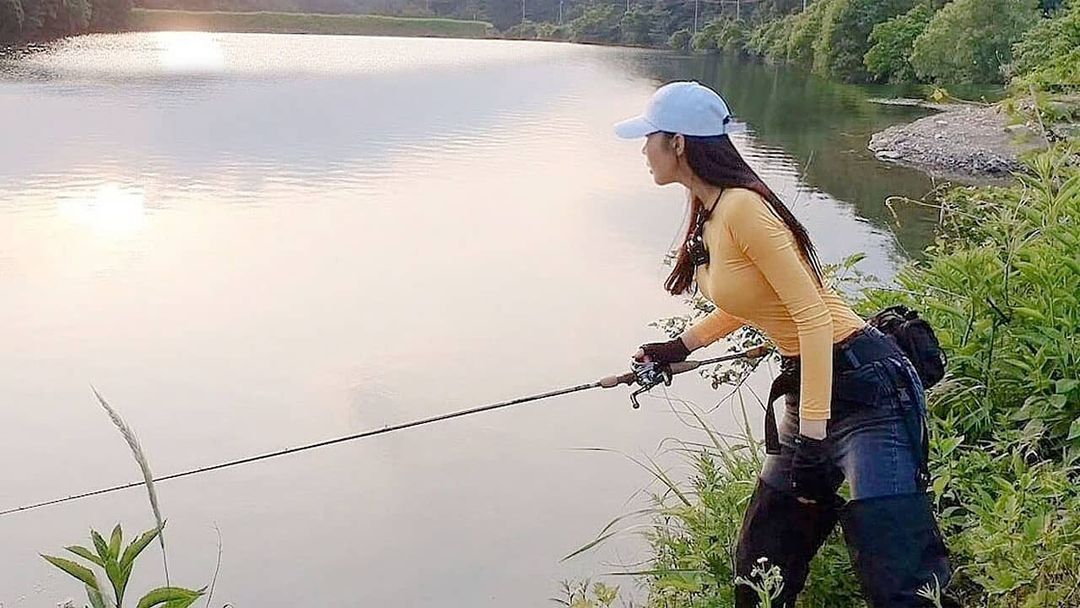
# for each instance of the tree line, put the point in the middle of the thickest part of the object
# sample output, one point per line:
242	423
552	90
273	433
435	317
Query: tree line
931	41
944	41
47	19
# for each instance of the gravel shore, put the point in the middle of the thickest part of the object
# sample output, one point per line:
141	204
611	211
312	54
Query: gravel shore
966	142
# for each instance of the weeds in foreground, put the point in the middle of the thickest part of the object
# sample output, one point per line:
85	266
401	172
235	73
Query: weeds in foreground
766	581
118	561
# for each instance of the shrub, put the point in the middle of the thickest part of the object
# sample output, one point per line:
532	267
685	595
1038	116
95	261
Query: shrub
598	23
526	30
680	40
1048	55
845	35
804	29
893	42
970	40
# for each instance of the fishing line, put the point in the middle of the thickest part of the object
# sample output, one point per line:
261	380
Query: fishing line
647	376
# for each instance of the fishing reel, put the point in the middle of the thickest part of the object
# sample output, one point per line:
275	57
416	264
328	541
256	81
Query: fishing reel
648	375
651	374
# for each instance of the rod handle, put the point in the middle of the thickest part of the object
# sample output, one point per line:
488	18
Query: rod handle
617	379
758	351
683	366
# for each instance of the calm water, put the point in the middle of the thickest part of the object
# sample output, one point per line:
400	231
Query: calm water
247	242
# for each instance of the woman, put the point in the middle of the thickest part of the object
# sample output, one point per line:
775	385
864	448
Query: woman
855	408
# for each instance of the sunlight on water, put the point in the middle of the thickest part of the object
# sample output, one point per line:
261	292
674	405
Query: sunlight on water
189	51
108	209
108	57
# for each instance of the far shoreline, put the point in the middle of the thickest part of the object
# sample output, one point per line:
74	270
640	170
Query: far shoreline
939	145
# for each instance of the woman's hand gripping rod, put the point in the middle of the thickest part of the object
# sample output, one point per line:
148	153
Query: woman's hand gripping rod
647	375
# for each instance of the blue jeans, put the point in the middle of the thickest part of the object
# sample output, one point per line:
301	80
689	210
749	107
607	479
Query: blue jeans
876	433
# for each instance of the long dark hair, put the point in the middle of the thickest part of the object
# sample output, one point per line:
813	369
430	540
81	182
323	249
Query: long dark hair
716	161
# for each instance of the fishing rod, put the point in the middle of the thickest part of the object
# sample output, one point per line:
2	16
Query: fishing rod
646	375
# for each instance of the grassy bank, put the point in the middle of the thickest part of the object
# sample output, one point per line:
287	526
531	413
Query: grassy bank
305	23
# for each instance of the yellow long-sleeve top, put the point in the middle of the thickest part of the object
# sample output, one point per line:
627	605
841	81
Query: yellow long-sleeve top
756	275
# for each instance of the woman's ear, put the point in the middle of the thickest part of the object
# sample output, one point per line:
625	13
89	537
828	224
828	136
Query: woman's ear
678	144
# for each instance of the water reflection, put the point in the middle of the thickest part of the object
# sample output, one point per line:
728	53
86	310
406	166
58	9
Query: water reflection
189	52
816	128
110	209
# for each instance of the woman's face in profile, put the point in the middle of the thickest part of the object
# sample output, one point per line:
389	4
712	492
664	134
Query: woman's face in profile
661	157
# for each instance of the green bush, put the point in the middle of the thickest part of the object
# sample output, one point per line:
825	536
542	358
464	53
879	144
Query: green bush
845	35
732	37
33	19
1048	55
550	31
598	23
718	35
893	41
769	39
679	40
804	29
11	19
1012	522
970	40
1002	287
526	30
636	26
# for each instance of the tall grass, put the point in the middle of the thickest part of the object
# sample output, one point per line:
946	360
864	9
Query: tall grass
116	560
144	468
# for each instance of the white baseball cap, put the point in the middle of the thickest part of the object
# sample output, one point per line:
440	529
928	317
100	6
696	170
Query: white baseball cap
685	107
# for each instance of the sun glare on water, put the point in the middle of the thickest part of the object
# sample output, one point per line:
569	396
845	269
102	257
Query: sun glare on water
189	51
110	209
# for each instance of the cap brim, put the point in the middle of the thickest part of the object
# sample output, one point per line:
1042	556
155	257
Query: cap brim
634	128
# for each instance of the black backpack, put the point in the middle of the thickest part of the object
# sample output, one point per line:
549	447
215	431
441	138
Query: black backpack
916	338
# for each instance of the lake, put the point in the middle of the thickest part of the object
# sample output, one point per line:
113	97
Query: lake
247	242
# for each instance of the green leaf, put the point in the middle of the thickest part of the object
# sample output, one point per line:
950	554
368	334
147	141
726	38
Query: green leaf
1030	313
116	578
86	554
1058	400
115	541
1074	430
171	597
1066	385
136	547
939	484
950	444
74	569
100	546
96	600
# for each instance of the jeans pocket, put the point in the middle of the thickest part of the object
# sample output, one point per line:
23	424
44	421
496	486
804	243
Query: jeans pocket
861	388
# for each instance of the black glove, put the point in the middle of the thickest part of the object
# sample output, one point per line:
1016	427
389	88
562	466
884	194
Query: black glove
813	475
671	351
